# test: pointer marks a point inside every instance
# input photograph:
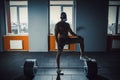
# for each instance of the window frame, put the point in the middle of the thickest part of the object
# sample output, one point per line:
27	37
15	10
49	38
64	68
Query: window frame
8	16
117	17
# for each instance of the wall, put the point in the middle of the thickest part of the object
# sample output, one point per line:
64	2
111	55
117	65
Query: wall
2	23
91	23
38	25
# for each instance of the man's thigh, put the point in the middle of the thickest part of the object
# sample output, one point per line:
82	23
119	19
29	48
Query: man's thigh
72	40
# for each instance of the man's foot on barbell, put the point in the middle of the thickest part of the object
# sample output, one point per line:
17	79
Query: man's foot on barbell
58	70
84	57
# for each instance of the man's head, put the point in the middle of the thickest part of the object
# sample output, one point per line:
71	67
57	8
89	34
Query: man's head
63	16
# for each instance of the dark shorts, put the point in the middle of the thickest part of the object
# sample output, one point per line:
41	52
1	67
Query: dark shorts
63	41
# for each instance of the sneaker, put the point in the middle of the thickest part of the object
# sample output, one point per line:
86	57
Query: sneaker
84	58
58	71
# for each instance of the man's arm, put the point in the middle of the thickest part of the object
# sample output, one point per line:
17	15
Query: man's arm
56	33
71	32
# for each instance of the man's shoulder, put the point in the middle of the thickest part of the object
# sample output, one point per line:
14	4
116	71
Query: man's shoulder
60	22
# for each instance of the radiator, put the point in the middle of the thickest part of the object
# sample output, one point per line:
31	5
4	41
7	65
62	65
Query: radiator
16	44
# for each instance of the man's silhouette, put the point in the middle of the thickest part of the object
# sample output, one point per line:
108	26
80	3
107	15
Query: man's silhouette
62	28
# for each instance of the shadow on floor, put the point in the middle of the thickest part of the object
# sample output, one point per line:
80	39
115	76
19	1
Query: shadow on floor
22	77
98	77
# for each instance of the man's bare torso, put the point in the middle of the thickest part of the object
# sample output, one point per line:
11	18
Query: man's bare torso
62	28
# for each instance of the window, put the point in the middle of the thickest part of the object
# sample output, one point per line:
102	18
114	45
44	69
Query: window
58	6
114	17
17	17
55	8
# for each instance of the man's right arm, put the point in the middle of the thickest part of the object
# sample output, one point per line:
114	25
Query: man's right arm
56	33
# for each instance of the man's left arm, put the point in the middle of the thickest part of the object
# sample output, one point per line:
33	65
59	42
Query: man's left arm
71	32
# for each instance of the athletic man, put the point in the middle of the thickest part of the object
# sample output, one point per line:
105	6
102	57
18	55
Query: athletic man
61	35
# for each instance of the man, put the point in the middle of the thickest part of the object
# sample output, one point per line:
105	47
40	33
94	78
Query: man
61	35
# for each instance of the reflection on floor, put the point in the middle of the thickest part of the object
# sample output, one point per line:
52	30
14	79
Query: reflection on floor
69	74
11	66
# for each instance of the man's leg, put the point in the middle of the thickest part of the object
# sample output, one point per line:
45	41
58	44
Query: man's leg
60	45
83	55
79	40
58	59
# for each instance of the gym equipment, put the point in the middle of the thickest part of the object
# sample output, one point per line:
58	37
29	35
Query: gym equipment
90	68
30	67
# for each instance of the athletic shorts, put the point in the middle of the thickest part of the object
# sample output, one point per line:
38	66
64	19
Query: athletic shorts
63	41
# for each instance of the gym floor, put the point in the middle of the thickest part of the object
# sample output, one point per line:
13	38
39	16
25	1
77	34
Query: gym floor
11	65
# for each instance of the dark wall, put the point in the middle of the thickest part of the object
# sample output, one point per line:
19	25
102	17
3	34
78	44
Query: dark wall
2	23
91	23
